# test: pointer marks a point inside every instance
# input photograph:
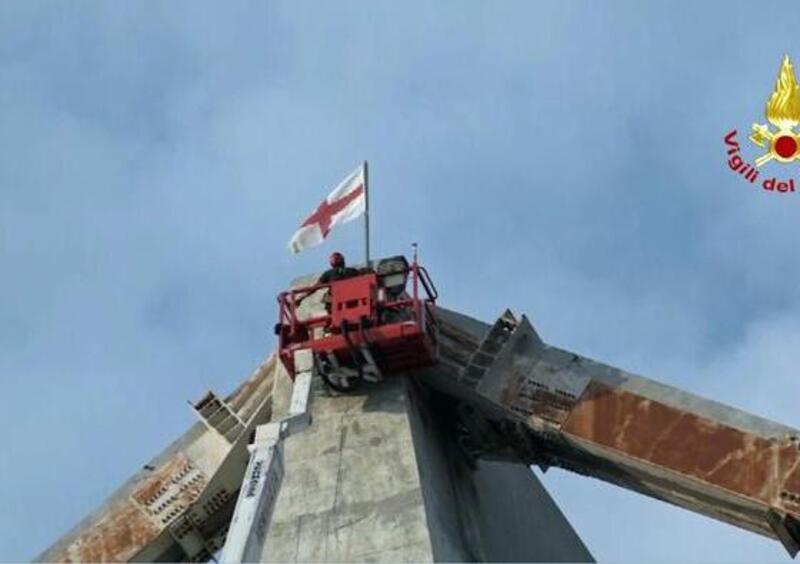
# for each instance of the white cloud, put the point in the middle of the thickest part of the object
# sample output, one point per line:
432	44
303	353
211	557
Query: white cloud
564	161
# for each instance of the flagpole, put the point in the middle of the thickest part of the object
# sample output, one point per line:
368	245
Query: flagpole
366	210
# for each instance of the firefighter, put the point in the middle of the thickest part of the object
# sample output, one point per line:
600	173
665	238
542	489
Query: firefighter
338	270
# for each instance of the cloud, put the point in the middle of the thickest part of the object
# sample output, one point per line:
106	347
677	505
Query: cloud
562	160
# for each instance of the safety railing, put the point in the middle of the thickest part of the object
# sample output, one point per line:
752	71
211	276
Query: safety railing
293	329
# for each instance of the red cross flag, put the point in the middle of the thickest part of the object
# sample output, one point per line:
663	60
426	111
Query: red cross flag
347	202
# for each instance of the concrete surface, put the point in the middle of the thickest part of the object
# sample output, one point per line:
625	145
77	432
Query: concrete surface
352	489
377	478
482	510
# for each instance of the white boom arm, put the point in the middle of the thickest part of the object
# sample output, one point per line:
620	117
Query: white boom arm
264	474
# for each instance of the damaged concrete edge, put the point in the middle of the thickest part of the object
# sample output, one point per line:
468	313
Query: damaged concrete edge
127	527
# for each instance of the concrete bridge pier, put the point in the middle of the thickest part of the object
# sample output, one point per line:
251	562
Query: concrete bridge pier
378	477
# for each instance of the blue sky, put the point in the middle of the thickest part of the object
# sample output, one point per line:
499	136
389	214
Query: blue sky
563	159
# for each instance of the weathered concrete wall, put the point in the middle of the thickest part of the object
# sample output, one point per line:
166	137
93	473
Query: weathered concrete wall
483	510
377	478
352	489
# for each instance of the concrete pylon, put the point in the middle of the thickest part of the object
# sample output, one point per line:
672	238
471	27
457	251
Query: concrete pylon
378	477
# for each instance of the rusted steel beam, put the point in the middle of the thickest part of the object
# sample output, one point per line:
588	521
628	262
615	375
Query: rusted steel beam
558	408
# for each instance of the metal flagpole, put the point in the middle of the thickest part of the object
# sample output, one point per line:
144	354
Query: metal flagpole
366	210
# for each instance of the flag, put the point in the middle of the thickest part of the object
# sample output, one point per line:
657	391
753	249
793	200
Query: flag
347	202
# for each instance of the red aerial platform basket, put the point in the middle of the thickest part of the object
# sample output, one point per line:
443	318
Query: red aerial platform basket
372	326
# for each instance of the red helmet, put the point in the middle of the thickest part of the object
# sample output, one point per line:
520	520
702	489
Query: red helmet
336	260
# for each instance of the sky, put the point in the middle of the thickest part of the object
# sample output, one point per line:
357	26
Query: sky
562	159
